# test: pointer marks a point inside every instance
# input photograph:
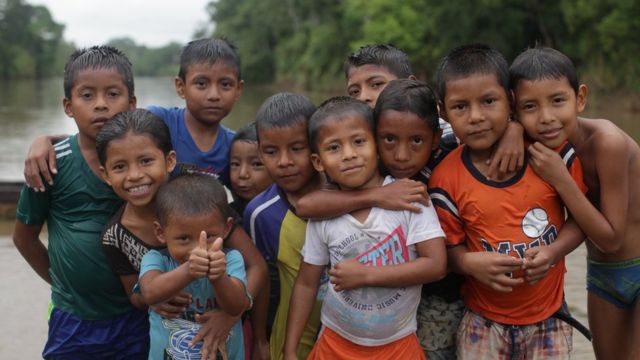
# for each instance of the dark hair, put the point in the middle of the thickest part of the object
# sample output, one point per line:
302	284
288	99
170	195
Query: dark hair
386	55
543	63
283	110
96	58
138	122
246	133
190	195
409	95
473	59
337	108
208	51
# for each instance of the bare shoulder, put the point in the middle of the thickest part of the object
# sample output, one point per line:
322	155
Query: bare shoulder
603	136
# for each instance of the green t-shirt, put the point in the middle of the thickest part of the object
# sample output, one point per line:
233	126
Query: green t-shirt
76	208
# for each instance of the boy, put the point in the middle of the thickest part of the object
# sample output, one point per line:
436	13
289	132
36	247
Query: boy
548	102
192	219
271	218
503	236
363	322
91	316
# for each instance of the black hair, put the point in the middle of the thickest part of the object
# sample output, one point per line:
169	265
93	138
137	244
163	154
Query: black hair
543	63
138	122
283	110
386	55
190	195
337	108
246	133
95	58
409	95
208	51
473	59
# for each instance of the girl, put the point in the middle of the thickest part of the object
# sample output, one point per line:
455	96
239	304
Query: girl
248	175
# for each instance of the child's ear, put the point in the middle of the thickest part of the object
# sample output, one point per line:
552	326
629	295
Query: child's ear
317	164
179	86
228	227
581	97
133	101
171	161
66	105
441	111
159	232
240	89
412	77
104	175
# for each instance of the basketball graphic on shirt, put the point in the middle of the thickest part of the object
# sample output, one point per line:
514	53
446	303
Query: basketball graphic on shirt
535	222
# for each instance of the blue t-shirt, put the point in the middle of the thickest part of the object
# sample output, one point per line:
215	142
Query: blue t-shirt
190	159
170	338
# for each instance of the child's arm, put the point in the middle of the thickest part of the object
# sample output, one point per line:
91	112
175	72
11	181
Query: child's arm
538	260
490	268
429	266
230	292
509	156
605	229
135	298
303	299
41	161
157	286
398	195
27	240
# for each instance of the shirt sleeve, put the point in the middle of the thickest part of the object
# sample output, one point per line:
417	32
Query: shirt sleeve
235	266
33	207
153	260
447	211
423	225
315	250
112	247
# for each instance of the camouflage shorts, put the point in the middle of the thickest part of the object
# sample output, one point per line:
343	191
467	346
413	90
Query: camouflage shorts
438	322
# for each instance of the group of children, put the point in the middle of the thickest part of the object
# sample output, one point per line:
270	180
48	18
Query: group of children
337	232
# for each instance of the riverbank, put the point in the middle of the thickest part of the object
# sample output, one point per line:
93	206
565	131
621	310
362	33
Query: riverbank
26	298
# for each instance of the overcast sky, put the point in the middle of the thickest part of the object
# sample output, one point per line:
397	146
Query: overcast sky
152	23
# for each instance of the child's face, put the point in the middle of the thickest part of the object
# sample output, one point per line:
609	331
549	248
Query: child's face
478	109
347	153
366	82
210	91
96	96
548	108
181	233
405	142
286	155
135	168
249	177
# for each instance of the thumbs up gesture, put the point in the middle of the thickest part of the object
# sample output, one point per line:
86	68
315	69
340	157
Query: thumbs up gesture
217	260
199	259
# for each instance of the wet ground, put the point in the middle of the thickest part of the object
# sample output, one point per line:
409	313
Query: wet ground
25	298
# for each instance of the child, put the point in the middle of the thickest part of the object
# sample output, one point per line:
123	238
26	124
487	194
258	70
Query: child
271	218
548	102
247	172
136	157
503	236
363	322
192	219
92	316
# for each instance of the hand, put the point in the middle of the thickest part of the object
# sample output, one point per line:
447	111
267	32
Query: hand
537	263
174	307
40	164
509	156
260	349
348	274
217	261
199	258
492	268
214	331
548	164
400	194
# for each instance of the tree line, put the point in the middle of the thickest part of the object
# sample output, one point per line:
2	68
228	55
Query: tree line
306	41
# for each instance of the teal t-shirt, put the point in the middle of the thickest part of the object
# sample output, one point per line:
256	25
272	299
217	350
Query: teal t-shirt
170	338
76	208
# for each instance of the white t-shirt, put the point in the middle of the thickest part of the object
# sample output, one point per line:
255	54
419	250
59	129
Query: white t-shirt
371	316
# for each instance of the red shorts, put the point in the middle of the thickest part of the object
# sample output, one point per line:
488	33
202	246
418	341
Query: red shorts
331	346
